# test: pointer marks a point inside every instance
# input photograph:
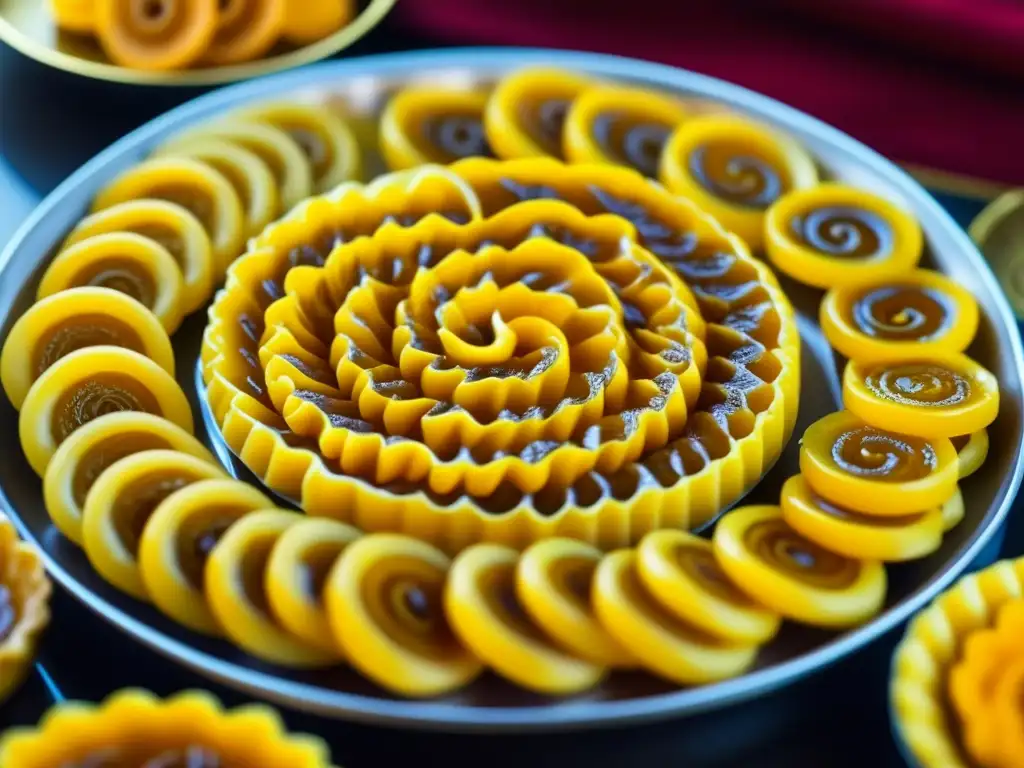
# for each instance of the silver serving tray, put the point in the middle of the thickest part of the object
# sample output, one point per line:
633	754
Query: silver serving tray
491	704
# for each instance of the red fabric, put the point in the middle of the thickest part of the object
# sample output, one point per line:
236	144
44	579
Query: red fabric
934	82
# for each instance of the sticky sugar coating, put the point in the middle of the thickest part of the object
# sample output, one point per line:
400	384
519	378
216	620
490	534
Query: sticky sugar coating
280	357
526	112
193	185
793	575
735	169
120	503
853	464
135	728
621	126
940	395
24	607
918	313
170	225
156	35
831	235
88	383
75	319
432	125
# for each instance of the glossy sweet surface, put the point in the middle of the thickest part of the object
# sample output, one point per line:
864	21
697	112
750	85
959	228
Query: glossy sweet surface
832	235
425	125
848	462
76	319
120	503
170	225
794	576
24	607
134	728
136	266
936	396
916	314
481	604
621	126
193	185
87	384
452	387
178	539
92	448
386	605
867	537
526	112
735	169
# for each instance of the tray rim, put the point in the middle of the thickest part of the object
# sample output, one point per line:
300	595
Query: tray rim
558	715
364	23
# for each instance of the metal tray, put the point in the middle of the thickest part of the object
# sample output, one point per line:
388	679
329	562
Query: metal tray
490	704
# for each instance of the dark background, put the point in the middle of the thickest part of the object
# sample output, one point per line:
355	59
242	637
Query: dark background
50	123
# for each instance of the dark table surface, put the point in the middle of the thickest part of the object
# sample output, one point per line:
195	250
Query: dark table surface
50	123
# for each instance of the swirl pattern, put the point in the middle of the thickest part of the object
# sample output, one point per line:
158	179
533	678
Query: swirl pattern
869	452
920	384
742	179
845	231
534	366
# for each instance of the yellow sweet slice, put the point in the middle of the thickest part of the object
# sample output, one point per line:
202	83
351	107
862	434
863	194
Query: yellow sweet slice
234	586
553	584
867	537
308	22
384	601
833	235
953	511
621	126
526	112
432	125
874	471
792	575
662	643
157	35
735	169
917	314
88	383
282	155
136	266
972	450
192	184
679	571
246	30
481	604
177	541
245	170
91	449
296	575
325	138
170	225
135	728
75	15
76	319
24	607
938	395
120	503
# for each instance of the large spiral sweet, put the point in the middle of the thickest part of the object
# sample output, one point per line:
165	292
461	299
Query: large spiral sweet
870	452
512	353
845	231
744	180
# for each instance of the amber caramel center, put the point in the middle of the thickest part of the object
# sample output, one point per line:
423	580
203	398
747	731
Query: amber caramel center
81	332
919	384
700	565
872	453
198	537
733	173
903	313
844	231
153	20
137	500
105	392
104	453
124	276
783	549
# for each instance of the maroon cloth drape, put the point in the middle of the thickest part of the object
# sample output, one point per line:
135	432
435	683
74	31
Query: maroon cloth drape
939	83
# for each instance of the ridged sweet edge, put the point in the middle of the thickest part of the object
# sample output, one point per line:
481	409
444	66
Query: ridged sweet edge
252	735
23	574
291	467
933	642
